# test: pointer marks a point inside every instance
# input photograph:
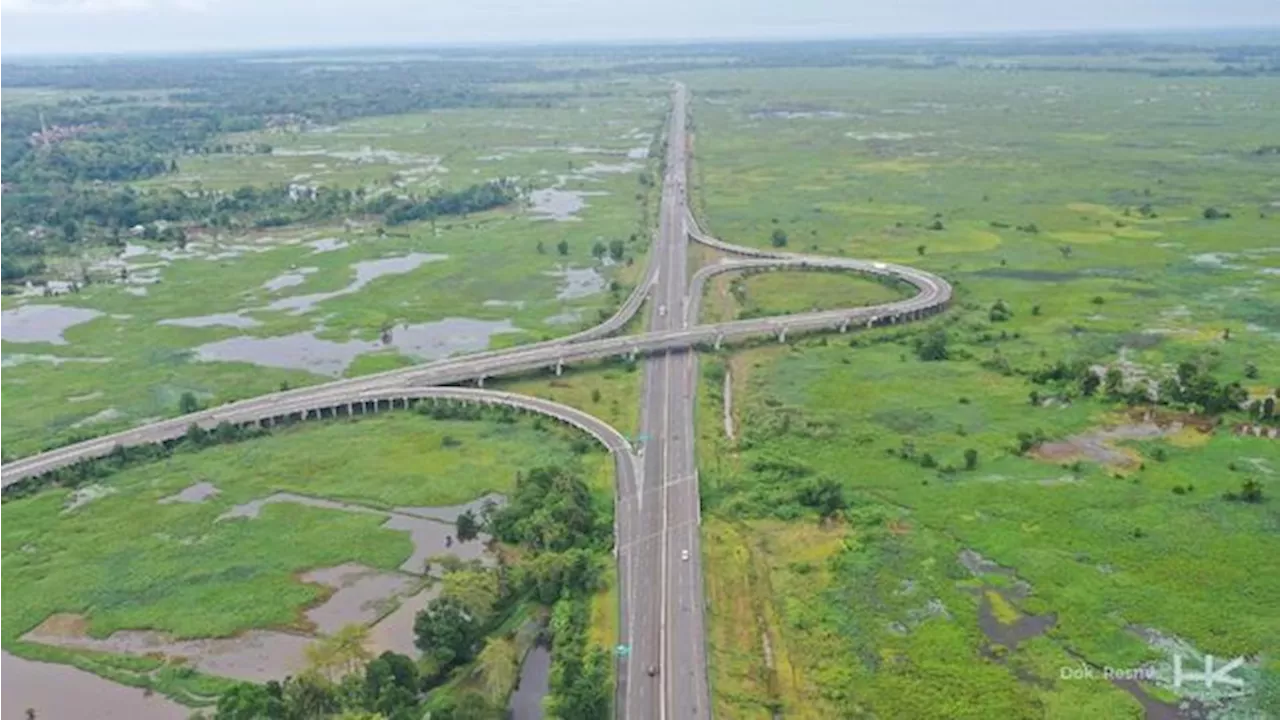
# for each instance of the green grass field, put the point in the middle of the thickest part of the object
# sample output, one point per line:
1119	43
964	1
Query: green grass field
875	615
125	561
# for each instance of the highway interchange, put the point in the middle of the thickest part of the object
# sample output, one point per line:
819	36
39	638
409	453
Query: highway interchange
662	620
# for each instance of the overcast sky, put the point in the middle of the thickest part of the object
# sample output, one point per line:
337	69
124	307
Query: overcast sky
85	26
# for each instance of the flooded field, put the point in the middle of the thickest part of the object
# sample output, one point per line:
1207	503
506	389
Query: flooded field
305	351
361	595
196	493
42	323
366	272
387	601
559	205
431	536
394	632
235	320
59	691
292	278
578	282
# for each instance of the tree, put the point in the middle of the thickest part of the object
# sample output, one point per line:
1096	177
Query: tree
970	459
920	249
248	701
341	653
598	250
1213	213
1089	383
187	403
933	346
476	590
446	632
499	665
1250	371
467	526
779	238
562	247
999	312
541	248
1113	382
823	494
309	695
936	225
617	249
390	686
595	395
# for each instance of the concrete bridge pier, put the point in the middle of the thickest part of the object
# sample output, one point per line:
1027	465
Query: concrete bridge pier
782	335
480	381
559	368
719	340
844	325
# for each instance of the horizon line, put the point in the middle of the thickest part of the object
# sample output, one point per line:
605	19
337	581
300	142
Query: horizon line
638	42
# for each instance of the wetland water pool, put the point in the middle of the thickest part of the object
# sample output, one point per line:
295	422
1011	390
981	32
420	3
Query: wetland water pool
385	600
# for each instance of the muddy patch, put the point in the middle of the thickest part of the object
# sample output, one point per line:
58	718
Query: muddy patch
61	691
1003	624
257	655
1099	445
305	351
42	323
196	493
235	320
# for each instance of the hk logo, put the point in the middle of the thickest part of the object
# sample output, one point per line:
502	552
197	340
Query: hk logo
1211	676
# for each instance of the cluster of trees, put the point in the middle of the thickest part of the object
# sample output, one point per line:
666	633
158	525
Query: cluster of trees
83	214
580	686
387	687
471	199
57	155
1189	388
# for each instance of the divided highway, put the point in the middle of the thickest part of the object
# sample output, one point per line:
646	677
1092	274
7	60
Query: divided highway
664	674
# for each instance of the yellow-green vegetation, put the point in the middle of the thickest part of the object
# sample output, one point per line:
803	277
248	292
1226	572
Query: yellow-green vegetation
1079	233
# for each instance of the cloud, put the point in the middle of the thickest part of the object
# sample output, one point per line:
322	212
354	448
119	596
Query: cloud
99	7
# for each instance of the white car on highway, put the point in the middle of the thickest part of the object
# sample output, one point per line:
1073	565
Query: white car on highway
684	555
662	311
